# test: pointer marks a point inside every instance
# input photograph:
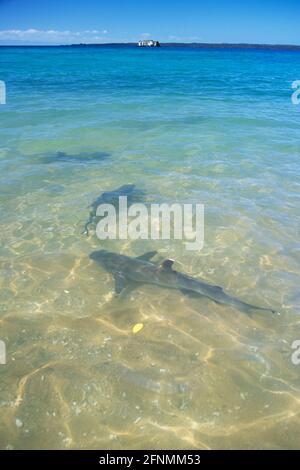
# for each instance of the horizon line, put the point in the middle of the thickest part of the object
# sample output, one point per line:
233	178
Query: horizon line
168	44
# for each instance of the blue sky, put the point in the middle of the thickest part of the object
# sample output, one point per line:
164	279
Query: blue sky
97	21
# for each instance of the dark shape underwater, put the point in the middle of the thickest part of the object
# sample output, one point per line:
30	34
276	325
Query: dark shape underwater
81	158
133	272
132	193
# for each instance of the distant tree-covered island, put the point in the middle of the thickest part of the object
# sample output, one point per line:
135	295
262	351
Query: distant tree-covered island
183	45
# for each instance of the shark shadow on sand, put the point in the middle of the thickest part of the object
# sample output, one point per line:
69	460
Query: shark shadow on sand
80	158
132	193
130	273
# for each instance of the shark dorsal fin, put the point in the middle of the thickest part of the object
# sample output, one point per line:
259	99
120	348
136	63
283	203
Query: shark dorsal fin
167	264
147	256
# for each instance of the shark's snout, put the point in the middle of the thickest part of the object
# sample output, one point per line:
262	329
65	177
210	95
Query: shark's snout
97	255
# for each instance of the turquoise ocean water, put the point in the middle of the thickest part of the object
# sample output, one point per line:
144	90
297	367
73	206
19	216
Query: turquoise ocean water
184	125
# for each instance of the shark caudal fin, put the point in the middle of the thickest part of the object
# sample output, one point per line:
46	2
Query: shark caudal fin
264	309
217	294
248	308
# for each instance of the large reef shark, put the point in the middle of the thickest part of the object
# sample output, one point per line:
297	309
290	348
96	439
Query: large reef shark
129	273
112	197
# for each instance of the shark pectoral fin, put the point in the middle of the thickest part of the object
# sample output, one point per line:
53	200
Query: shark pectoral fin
167	264
147	256
122	285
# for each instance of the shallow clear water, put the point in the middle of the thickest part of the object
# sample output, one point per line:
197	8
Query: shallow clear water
216	127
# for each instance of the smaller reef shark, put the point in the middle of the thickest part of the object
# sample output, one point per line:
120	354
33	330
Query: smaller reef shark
131	272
